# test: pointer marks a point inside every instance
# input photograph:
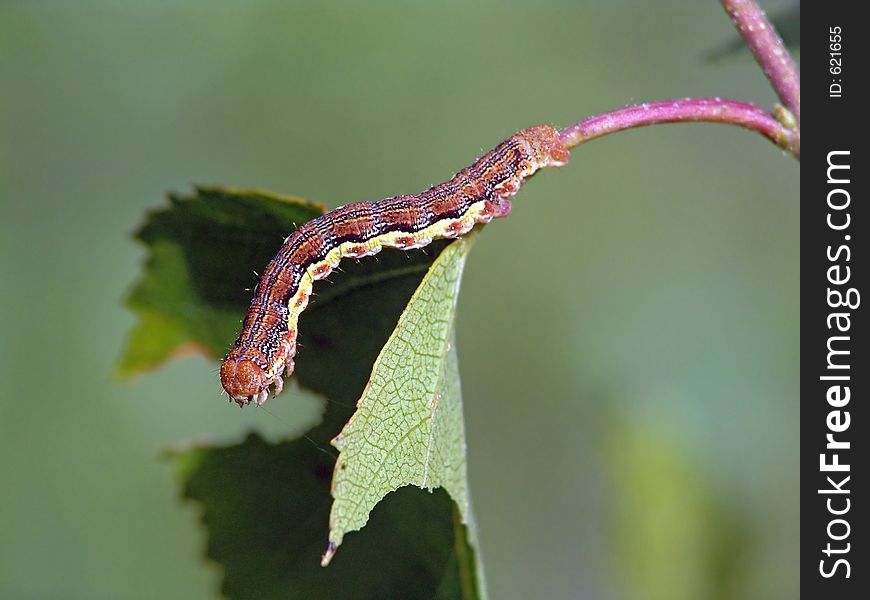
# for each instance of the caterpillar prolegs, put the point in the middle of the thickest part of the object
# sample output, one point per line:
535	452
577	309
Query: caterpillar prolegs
264	351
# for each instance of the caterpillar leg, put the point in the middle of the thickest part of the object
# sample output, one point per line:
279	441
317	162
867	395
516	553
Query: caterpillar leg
289	365
501	208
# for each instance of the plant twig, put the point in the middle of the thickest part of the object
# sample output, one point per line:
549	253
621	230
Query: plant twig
776	62
711	110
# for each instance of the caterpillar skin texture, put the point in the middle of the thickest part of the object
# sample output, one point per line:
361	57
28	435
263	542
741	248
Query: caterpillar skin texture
264	350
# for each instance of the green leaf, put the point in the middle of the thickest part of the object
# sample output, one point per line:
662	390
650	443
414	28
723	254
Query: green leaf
203	250
408	427
265	506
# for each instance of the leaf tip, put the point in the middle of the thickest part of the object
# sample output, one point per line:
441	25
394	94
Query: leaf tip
327	556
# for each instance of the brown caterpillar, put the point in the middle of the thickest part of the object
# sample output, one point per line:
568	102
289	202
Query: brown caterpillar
477	194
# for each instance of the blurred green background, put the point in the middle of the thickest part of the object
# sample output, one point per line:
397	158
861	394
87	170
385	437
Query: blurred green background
628	337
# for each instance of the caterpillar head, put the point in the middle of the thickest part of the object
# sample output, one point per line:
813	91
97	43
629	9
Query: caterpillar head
244	381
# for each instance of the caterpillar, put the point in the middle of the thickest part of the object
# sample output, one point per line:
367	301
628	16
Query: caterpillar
264	352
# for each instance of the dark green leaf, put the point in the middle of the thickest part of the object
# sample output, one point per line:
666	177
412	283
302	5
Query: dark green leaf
203	251
265	507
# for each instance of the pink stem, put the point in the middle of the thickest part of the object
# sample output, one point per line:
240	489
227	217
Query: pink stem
769	51
710	110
